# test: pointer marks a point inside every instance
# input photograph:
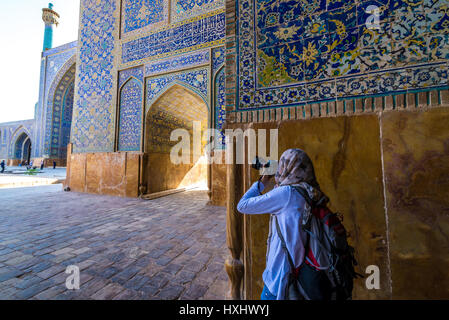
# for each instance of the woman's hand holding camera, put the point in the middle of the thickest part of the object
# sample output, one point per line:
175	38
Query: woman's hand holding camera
267	181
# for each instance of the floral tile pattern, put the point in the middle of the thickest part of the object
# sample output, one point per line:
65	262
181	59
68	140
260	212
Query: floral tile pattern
218	60
62	106
177	62
93	113
137	14
196	80
130	109
293	52
184	9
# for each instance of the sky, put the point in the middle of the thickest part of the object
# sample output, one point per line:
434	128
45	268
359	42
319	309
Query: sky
21	38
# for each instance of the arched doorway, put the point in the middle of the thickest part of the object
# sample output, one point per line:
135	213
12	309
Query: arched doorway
22	148
62	105
177	108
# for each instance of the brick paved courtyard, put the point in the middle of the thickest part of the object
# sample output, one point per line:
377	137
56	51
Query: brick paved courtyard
167	248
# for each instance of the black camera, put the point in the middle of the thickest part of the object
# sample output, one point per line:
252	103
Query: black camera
267	168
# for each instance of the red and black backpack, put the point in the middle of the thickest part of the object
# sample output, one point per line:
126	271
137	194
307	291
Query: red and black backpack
327	248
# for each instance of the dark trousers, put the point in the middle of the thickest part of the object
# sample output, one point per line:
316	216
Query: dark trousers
315	283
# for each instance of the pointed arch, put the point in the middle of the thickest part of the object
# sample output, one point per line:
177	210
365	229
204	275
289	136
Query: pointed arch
174	83
64	80
59	115
15	135
21	146
130	115
176	108
219	103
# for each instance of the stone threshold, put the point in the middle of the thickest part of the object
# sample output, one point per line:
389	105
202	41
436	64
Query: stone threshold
28	182
165	193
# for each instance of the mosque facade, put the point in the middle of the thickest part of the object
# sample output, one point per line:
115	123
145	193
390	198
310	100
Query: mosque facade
361	85
47	135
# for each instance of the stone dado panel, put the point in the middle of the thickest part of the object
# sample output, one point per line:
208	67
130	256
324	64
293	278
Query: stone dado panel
416	156
387	174
112	173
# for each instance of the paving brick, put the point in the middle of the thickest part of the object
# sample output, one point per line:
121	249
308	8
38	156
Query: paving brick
50	272
9	274
137	282
159	280
108	292
49	293
34	290
167	248
194	292
171	292
27	282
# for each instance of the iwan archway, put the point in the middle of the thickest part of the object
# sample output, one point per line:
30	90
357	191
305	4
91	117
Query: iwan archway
61	104
177	108
22	149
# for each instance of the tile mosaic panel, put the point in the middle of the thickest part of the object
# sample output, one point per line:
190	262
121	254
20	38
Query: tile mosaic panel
93	113
218	58
130	116
178	62
55	64
300	51
64	47
37	146
184	9
147	14
204	31
66	124
130	109
124	75
59	128
54	107
220	107
197	80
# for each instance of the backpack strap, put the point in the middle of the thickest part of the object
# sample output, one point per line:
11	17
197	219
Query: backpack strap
309	201
284	246
305	195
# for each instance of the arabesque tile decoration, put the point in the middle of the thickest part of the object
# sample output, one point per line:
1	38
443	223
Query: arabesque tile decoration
293	52
218	60
53	105
130	112
59	123
183	9
203	31
120	35
93	113
196	80
146	14
188	60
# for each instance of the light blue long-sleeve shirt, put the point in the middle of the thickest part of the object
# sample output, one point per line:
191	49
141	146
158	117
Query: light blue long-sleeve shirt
288	205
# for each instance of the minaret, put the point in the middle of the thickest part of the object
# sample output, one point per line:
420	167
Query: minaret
50	18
